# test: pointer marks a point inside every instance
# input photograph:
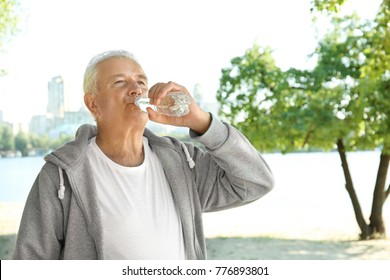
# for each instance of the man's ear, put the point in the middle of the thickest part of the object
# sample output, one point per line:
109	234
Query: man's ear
89	101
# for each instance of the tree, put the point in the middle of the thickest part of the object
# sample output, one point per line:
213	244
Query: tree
333	105
259	97
22	143
374	91
41	142
56	143
6	138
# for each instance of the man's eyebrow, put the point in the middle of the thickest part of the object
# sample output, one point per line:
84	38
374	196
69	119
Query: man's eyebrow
116	76
140	76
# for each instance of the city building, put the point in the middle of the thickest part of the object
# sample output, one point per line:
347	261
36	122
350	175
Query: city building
57	120
38	124
71	121
55	97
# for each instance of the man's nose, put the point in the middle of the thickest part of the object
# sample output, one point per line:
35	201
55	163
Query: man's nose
135	91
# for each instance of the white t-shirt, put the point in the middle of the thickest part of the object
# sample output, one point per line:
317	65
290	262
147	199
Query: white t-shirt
140	220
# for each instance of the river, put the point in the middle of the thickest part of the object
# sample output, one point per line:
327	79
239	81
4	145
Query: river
17	176
309	188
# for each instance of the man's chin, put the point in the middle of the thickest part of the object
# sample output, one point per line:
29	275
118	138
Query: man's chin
140	118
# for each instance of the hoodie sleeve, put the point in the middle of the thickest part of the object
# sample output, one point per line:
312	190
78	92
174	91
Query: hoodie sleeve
40	232
231	172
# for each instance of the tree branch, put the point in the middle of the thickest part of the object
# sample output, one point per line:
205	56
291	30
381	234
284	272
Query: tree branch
307	137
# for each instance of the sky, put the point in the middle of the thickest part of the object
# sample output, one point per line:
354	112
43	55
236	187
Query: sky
187	42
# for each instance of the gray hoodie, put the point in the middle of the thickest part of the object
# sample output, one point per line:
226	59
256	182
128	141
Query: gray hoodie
61	218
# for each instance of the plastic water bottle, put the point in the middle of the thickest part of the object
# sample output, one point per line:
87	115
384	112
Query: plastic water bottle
176	104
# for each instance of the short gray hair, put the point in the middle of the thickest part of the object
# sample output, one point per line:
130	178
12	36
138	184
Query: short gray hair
89	84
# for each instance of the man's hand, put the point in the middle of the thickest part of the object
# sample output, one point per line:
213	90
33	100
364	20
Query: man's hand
197	119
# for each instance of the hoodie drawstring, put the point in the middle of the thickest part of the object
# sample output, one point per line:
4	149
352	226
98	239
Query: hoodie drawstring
61	191
191	162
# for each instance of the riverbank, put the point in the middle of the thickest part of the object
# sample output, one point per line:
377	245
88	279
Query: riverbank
241	239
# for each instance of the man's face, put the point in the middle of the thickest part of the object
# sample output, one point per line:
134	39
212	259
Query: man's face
119	82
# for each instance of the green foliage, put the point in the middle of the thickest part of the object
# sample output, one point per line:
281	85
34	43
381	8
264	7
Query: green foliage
8	20
22	143
56	143
343	97
331	6
39	141
6	138
379	38
25	142
277	110
375	81
247	92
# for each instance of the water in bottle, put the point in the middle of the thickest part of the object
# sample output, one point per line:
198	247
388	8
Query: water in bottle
173	104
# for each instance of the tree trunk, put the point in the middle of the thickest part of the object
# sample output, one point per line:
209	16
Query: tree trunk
351	191
377	227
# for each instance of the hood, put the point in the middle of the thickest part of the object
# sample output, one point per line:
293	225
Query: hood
70	153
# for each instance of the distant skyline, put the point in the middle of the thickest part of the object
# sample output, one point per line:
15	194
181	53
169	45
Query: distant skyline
188	42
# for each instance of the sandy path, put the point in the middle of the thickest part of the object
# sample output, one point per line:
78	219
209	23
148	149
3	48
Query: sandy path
231	236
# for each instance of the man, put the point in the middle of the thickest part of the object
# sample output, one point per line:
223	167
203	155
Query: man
120	192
